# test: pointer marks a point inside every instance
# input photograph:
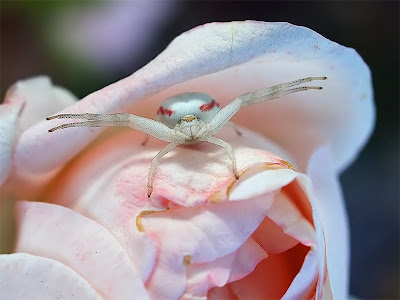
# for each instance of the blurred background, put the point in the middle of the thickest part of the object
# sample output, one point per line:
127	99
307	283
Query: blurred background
86	45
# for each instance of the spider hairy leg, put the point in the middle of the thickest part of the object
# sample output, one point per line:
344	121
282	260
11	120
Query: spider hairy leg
278	90
226	113
142	124
154	164
96	120
229	150
235	128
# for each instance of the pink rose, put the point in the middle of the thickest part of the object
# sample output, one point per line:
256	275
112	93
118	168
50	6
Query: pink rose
88	229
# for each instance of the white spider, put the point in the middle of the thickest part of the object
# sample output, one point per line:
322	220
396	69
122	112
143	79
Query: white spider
187	118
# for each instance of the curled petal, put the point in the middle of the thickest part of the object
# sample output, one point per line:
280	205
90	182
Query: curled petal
227	60
41	98
25	276
26	103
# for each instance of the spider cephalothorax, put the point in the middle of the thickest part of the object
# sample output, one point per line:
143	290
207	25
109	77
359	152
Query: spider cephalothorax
187	118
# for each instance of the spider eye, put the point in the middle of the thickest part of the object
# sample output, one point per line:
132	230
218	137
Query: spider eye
188	118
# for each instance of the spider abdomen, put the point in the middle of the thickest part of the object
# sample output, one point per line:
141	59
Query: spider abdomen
201	105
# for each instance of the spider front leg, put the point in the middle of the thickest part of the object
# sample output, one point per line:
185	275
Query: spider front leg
278	90
149	126
226	113
235	128
154	164
229	150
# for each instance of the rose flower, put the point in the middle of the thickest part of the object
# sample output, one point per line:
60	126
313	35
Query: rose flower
86	229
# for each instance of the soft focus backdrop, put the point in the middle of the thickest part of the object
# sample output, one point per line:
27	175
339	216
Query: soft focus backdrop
87	45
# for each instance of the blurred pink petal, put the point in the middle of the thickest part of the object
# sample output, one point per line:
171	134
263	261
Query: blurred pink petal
112	34
8	133
26	103
25	276
41	98
244	53
83	245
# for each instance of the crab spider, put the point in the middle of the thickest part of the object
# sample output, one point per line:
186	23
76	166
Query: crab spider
187	118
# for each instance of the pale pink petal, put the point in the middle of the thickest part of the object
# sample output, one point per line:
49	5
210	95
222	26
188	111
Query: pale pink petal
304	284
234	266
25	276
304	183
272	277
284	228
83	245
326	292
41	99
267	281
121	166
202	173
27	102
8	133
224	292
201	233
244	53
272	238
333	216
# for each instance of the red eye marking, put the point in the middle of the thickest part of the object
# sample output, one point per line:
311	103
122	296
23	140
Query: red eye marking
209	106
164	111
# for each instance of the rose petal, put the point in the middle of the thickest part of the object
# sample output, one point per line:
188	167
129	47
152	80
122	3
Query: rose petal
201	173
25	276
59	233
41	99
205	234
246	52
304	183
333	215
121	170
8	133
303	285
272	277
234	266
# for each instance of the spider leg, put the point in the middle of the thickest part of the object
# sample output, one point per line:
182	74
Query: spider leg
235	128
229	150
271	93
149	126
146	139
154	163
226	113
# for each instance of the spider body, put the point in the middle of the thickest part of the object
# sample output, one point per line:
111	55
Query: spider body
174	108
187	118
